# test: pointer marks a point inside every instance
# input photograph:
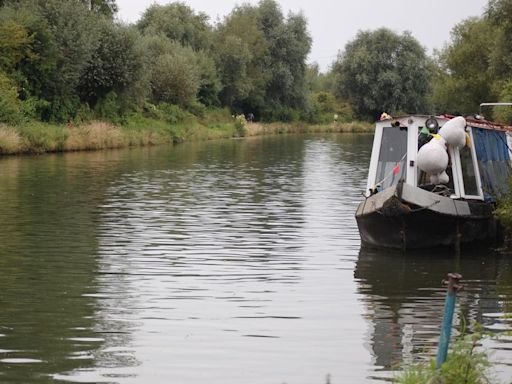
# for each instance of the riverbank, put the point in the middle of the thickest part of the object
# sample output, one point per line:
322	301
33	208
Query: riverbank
138	130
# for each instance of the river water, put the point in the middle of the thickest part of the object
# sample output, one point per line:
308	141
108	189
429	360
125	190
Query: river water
223	262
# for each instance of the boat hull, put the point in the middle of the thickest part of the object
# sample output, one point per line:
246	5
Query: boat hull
406	217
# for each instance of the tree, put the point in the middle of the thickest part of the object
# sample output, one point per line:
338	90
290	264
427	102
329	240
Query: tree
317	81
15	45
173	70
115	64
10	105
173	81
65	37
466	77
103	7
240	49
209	81
382	71
261	58
288	46
29	52
179	23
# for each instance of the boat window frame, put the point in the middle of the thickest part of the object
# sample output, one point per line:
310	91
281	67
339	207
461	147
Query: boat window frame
457	170
375	154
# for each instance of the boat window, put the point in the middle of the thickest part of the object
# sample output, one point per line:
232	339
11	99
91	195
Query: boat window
468	172
392	157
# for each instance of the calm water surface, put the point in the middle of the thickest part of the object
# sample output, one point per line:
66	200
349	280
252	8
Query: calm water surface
224	262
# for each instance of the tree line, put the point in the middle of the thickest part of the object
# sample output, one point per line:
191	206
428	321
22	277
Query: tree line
382	71
71	60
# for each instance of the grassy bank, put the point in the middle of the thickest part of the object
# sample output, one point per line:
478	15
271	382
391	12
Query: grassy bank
140	130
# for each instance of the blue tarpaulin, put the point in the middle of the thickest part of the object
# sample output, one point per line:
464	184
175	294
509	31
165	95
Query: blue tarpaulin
493	157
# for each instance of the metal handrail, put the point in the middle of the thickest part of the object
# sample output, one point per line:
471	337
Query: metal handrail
494	105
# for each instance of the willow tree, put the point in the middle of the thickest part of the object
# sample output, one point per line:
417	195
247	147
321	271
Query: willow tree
261	56
177	22
240	48
289	44
383	71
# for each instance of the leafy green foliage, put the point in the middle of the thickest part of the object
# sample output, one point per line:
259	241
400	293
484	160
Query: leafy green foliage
289	44
317	81
209	81
32	72
54	43
173	81
15	45
324	108
107	107
114	65
10	105
465	365
241	125
465	79
383	71
177	22
261	59
42	138
240	49
504	114
103	7
504	210
76	32
68	61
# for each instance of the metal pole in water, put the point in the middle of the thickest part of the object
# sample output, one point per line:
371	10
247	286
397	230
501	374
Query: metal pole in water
449	309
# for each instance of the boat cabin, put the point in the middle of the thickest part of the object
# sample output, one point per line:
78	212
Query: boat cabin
479	170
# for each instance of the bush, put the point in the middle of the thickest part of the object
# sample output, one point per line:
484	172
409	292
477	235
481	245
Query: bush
107	107
196	108
11	111
84	114
43	138
345	112
282	114
61	109
240	125
175	79
171	113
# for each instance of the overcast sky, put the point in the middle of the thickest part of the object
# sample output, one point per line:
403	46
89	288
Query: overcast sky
333	23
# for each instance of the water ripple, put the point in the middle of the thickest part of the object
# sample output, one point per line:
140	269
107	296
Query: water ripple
224	262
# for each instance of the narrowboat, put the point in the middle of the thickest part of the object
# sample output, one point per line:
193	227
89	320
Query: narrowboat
434	181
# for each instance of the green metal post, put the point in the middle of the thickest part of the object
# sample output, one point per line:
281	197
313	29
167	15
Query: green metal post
449	309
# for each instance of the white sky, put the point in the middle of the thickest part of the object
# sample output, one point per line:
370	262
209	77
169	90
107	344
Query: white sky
333	23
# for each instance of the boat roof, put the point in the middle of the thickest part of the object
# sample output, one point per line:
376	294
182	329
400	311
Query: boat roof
482	123
477	122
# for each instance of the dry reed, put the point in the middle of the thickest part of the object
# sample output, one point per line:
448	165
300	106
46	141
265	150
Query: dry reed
95	135
10	141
